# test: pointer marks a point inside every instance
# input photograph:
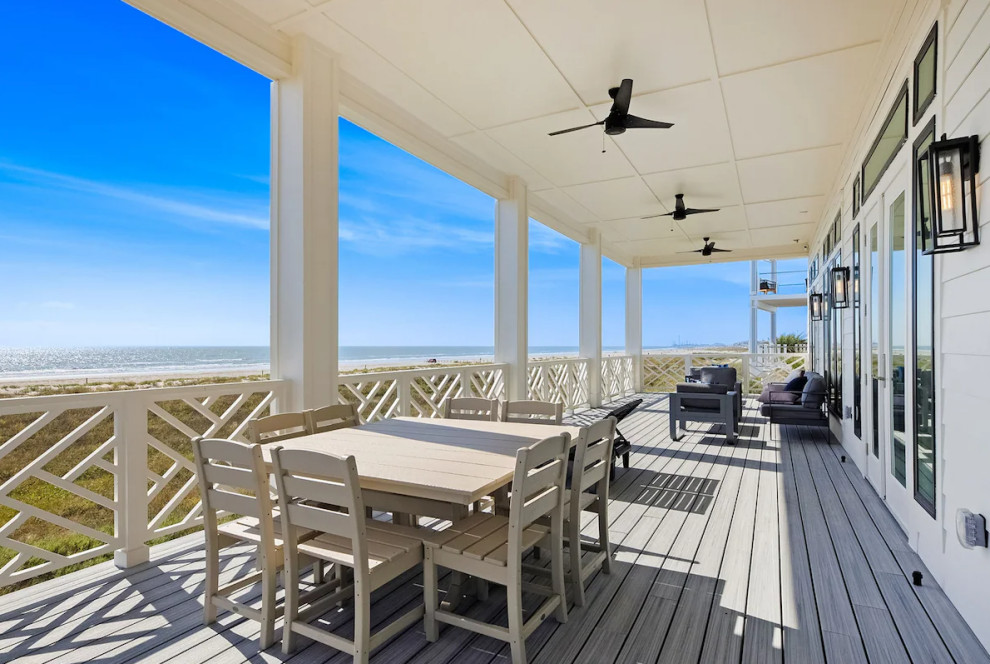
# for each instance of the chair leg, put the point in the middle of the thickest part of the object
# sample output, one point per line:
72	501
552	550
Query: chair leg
558	581
291	608
603	540
625	460
574	549
212	583
269	578
481	589
430	595
517	642
362	622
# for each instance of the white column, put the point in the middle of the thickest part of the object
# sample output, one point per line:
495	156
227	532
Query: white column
773	312
634	323
304	237
591	315
511	286
754	288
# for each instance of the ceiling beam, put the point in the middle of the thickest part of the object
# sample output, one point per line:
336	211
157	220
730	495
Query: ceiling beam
237	34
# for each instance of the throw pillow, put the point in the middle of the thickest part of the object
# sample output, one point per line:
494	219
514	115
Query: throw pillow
796	385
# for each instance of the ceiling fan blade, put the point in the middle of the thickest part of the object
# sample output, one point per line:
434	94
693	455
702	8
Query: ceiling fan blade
635	122
724	250
699	211
566	131
696	251
654	216
623	97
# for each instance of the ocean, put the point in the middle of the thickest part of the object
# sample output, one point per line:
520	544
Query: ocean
65	363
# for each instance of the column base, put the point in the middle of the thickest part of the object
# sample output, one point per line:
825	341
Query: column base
124	558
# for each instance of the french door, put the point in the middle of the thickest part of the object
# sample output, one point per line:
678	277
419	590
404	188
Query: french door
887	240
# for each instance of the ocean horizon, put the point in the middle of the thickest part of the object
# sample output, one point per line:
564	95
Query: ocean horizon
98	361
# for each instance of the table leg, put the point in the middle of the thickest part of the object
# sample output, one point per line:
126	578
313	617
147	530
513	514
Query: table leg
458	580
501	497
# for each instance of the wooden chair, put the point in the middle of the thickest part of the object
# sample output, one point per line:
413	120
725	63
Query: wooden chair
491	547
471	408
533	412
274	428
321	492
588	492
232	478
331	418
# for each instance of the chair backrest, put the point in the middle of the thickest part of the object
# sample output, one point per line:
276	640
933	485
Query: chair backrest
533	412
331	418
537	487
719	376
274	428
471	408
593	460
320	491
232	478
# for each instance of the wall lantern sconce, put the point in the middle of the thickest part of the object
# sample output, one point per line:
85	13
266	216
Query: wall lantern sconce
947	172
816	306
840	287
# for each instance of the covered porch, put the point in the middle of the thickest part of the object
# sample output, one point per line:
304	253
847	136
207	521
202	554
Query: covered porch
770	550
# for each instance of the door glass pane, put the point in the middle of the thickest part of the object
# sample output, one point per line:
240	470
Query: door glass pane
875	334
898	339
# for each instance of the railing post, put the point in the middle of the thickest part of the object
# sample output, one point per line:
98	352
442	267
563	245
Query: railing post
404	389
746	371
130	426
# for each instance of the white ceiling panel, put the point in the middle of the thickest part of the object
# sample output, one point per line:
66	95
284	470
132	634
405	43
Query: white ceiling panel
786	212
366	65
699	136
789	175
703	187
783	235
565	204
483	146
616	199
567	159
804	104
757	33
624	42
476	56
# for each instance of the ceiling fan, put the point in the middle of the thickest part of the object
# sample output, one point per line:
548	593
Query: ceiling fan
707	250
681	212
619	119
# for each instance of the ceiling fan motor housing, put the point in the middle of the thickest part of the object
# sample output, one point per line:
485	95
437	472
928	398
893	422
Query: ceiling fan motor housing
614	125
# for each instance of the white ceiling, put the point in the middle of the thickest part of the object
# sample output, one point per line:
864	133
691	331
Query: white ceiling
763	93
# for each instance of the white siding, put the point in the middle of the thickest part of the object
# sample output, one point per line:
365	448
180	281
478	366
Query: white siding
961	108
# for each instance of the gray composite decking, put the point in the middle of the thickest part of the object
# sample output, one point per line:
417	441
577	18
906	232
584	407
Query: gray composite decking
772	550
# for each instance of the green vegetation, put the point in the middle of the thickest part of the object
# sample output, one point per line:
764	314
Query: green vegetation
791	341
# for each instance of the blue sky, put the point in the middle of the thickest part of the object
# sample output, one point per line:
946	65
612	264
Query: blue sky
134	180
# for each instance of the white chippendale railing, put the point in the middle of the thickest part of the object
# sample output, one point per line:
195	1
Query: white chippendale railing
618	377
419	392
662	370
560	381
85	475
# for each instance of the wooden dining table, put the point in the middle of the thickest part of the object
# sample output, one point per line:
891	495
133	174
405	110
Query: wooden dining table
456	462
430	467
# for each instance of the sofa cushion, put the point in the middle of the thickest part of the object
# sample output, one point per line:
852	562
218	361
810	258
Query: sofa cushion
813	395
700	388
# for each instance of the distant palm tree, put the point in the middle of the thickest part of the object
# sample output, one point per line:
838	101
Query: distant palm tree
791	341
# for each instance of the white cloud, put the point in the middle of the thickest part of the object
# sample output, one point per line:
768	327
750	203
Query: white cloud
217	209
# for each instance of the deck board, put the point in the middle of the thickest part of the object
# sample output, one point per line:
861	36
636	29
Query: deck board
771	550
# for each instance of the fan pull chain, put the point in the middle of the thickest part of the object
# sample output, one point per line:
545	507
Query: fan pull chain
603	142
